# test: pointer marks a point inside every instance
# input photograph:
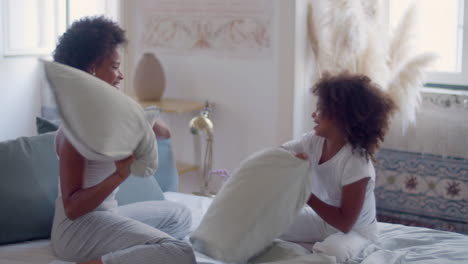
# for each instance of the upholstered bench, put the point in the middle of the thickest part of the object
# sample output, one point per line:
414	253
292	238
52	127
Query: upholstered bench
422	190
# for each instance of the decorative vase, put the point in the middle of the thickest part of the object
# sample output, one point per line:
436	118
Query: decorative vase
149	81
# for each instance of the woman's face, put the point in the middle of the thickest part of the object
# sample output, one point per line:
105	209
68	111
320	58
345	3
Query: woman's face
108	69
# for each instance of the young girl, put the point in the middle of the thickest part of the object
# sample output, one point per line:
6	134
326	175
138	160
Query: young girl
351	119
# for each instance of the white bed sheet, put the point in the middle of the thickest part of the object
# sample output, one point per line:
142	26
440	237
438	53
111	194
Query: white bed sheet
397	244
400	244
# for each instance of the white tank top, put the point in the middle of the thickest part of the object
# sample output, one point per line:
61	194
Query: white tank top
94	173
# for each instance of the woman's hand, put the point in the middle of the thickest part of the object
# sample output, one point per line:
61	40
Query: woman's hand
302	156
161	130
123	167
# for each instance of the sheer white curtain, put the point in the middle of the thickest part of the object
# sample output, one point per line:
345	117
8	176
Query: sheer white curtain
306	72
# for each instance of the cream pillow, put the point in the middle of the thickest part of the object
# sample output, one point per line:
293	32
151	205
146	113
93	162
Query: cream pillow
255	206
101	122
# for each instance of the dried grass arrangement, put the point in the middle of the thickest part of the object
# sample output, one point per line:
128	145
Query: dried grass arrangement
351	35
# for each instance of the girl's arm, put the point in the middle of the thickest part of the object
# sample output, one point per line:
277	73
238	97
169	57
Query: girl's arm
77	200
343	217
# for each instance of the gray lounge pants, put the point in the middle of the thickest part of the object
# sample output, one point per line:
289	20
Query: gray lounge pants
139	233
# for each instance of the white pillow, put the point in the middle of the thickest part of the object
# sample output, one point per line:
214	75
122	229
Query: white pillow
255	206
101	122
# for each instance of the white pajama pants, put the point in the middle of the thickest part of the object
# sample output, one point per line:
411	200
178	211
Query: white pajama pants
308	227
139	233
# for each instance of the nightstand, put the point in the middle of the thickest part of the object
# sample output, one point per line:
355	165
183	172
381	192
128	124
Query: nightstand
177	106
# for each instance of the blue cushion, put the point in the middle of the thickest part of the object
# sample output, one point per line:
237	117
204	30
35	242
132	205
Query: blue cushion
166	175
138	189
29	188
134	190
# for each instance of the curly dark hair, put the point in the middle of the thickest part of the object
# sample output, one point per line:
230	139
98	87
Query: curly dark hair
88	41
360	108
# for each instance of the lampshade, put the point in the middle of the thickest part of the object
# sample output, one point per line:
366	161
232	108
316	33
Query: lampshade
201	123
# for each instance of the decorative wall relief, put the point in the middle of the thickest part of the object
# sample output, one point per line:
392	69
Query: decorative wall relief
233	28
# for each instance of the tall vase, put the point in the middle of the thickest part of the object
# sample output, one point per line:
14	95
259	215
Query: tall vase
149	81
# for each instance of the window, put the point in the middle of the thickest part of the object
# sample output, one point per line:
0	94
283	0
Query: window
80	8
440	29
32	27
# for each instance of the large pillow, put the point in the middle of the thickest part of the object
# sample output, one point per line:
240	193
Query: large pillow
28	189
255	206
101	122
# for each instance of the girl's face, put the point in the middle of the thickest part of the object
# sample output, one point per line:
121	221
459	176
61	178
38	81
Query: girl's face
325	126
108	69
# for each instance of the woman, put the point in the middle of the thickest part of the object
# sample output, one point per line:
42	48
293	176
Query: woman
89	227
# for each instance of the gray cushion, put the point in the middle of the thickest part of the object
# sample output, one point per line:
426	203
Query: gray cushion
29	188
30	181
44	125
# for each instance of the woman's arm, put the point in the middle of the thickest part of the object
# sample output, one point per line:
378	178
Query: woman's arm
161	130
77	200
343	217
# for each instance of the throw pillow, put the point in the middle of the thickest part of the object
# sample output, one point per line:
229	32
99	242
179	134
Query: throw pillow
167	175
44	125
101	122
29	188
255	206
138	189
133	190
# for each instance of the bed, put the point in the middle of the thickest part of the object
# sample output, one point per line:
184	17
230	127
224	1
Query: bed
397	244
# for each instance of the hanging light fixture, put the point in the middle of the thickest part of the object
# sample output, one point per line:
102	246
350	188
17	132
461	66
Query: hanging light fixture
198	125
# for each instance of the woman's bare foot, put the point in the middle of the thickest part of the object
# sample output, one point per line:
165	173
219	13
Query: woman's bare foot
96	261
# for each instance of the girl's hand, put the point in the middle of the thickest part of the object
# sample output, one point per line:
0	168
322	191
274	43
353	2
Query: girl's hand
302	156
123	167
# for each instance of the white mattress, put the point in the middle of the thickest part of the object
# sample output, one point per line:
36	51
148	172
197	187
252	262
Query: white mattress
397	244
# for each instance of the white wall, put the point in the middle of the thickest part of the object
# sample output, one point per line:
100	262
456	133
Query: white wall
253	97
441	126
19	94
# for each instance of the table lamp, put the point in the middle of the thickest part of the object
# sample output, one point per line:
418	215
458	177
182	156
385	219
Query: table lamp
203	124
